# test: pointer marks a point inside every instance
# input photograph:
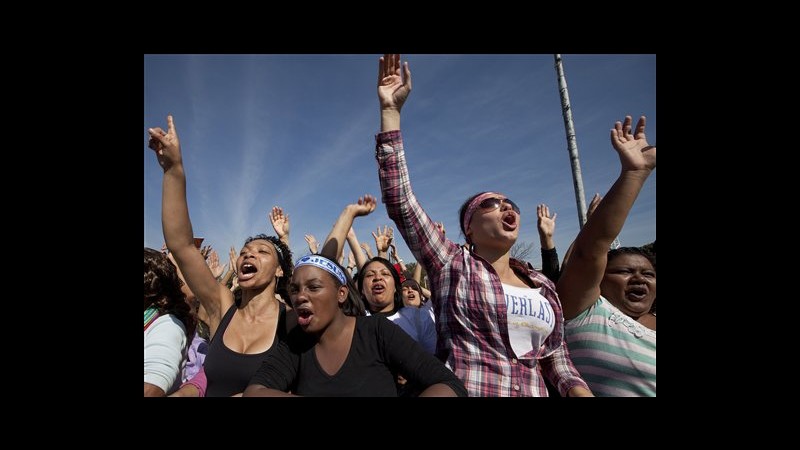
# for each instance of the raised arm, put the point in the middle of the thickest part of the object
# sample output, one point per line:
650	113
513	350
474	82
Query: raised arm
418	278
427	244
589	211
355	249
334	243
579	285
393	90
396	258
178	228
367	250
547	226
280	223
382	241
313	246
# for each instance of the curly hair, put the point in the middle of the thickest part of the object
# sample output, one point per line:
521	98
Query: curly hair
162	289
284	259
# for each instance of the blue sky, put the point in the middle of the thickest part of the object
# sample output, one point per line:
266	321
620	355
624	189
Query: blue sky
297	131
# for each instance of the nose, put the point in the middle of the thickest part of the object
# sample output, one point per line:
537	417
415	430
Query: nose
298	298
505	206
638	278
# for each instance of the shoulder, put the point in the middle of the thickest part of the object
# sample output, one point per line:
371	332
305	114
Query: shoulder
166	323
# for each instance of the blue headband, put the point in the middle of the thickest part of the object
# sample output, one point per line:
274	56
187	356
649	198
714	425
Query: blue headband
324	264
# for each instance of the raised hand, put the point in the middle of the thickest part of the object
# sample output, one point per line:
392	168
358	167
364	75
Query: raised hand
634	151
280	223
393	89
593	205
367	250
232	255
213	264
312	243
364	206
205	251
545	222
166	144
440	227
383	239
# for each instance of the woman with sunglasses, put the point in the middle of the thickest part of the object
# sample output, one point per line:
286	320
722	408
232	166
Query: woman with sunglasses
499	322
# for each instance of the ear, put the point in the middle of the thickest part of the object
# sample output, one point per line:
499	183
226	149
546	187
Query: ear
342	294
279	271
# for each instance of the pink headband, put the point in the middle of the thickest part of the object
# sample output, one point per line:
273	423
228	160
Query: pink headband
473	205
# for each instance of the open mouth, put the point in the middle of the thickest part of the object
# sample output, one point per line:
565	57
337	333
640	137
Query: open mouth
378	289
304	316
247	271
509	221
636	293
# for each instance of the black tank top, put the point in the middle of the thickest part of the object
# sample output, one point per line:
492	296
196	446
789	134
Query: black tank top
229	372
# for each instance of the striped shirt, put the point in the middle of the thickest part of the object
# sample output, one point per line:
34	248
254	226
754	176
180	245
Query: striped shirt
468	300
614	353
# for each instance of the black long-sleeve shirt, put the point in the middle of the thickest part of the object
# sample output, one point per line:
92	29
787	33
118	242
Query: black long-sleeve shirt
550	267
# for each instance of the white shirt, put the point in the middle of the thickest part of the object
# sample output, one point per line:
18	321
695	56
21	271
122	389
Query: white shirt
530	318
164	352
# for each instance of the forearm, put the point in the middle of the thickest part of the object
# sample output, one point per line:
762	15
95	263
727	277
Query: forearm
439	390
227	277
420	233
187	390
390	120
418	273
334	243
175	221
257	390
194	387
426	292
560	371
151	390
546	241
550	264
606	222
358	252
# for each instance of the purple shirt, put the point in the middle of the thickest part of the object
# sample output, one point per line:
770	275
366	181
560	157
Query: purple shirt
195	357
468	300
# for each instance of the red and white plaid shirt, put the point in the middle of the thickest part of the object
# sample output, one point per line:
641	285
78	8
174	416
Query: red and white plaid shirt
471	314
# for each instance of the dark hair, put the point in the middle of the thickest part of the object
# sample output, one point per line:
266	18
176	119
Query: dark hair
284	259
398	289
612	254
463	211
162	289
413	285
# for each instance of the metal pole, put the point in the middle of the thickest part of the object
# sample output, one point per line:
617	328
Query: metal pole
572	143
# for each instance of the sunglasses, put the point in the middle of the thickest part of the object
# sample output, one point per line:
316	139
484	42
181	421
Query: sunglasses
494	202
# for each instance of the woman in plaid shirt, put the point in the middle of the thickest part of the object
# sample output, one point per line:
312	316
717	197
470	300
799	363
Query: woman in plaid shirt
499	322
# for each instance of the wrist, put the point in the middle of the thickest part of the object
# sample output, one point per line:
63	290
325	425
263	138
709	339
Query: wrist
390	119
